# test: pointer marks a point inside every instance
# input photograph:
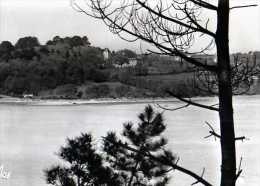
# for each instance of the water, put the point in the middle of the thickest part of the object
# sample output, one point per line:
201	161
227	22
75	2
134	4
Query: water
31	135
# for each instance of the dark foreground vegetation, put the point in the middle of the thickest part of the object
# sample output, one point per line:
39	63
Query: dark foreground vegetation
114	164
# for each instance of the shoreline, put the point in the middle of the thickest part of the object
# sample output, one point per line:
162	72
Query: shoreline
117	101
75	102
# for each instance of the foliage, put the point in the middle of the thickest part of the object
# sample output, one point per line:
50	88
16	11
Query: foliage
136	168
87	165
26	54
98	75
122	56
28	67
6	48
127	53
27	43
125	75
71	41
141	70
84	165
120	59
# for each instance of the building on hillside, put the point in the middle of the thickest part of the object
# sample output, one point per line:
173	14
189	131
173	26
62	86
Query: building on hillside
28	96
132	62
106	54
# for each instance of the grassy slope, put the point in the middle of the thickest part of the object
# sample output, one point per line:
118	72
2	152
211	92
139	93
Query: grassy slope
91	90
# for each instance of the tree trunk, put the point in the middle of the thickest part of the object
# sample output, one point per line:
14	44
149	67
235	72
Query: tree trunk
228	148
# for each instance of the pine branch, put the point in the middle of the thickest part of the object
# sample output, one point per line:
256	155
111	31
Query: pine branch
163	161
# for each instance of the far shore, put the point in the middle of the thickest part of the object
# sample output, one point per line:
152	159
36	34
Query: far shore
38	101
55	102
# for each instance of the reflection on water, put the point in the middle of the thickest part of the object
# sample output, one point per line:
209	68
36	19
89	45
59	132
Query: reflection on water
30	136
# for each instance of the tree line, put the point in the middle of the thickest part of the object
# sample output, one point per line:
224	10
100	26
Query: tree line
29	67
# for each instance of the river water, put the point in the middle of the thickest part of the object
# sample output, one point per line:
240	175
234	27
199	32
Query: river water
30	135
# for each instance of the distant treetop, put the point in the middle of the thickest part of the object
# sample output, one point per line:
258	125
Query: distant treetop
127	53
6	46
27	42
71	41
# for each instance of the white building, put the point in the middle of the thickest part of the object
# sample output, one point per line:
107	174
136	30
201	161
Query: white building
106	53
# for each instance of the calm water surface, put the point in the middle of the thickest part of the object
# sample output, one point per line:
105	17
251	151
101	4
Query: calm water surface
31	135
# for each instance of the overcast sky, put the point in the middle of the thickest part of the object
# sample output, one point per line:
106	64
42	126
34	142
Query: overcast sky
48	18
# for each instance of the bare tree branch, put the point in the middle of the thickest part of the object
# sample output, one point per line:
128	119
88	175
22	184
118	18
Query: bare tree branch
239	169
243	6
243	70
202	174
199	29
216	135
172	109
193	103
204	4
242	138
212	132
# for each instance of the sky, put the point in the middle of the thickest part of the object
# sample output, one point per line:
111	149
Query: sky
48	18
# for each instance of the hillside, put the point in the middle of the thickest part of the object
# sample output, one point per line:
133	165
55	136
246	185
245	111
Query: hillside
71	67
